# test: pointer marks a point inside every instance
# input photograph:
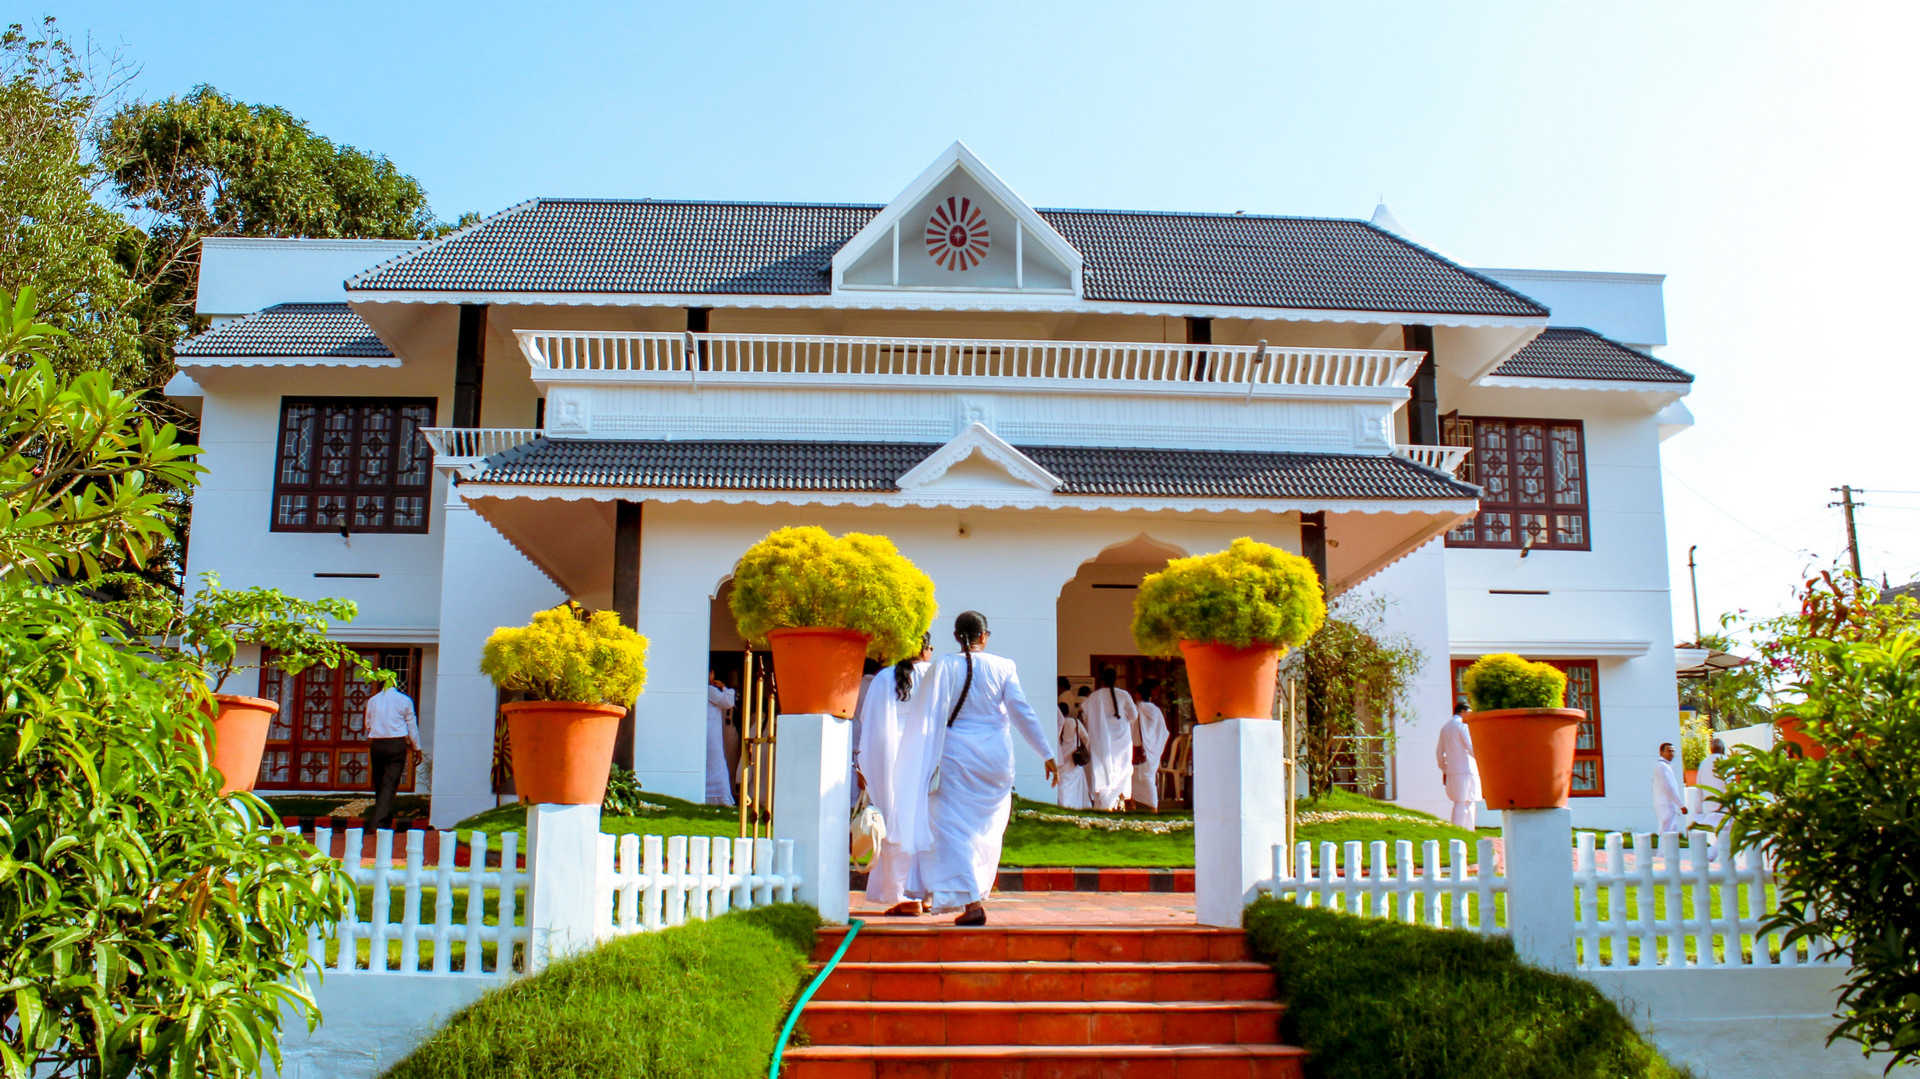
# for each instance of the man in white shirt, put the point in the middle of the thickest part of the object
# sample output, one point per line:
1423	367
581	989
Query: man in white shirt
1459	771
1669	798
393	737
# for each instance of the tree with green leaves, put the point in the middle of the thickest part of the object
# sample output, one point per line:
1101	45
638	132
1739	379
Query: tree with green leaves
1736	697
1843	831
148	926
1356	677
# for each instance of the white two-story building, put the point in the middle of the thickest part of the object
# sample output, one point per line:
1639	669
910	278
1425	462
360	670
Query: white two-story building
610	399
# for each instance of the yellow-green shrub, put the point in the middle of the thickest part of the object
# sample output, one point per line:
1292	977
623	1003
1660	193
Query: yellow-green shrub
1504	680
804	576
1251	593
566	654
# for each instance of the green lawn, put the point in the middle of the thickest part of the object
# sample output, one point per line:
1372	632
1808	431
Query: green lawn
676	816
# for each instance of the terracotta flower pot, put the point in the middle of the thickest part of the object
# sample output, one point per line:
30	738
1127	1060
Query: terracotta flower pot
1229	682
817	669
1525	755
240	739
1692	776
562	750
1791	729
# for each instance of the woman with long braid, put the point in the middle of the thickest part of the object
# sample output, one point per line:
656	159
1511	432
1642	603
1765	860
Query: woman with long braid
894	735
973	700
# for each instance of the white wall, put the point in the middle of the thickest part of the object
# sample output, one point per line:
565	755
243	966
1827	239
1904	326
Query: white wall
1739	1023
369	1022
1628	307
1415	592
239	276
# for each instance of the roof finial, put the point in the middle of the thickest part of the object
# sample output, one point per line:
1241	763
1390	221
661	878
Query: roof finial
1383	218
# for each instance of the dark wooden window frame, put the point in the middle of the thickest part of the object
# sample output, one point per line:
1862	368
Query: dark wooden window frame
1518	509
1593	725
344	745
390	490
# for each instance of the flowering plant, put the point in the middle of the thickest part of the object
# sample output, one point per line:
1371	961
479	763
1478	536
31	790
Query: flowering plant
567	654
1249	594
1504	680
804	576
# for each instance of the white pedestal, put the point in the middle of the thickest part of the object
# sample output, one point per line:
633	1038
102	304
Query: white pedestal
563	852
1239	813
810	799
1539	849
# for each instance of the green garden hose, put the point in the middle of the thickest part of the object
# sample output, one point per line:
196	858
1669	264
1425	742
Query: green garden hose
786	1032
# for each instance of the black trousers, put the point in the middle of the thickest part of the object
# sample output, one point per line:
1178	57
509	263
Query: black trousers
389	760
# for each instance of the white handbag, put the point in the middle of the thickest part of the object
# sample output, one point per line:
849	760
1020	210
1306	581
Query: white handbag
868	827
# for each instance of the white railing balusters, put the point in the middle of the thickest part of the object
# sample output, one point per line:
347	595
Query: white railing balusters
1440	458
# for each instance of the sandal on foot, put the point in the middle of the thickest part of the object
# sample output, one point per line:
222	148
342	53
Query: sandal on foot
977	916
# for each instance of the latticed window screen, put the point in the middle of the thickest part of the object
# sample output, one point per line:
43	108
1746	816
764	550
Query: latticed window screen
358	463
319	739
1583	692
1533	476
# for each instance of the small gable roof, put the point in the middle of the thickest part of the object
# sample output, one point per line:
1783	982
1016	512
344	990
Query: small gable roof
624	246
290	330
1574	353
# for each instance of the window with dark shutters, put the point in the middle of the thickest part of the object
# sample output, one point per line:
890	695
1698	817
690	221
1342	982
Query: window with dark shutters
353	463
1533	480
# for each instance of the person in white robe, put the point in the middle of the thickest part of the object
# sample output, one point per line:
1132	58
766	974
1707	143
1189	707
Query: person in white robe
720	701
1459	771
1669	798
893	746
974	702
1707	778
869	668
1110	714
1150	738
1076	780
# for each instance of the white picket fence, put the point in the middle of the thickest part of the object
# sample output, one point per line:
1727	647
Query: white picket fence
1450	896
649	882
1659	901
484	942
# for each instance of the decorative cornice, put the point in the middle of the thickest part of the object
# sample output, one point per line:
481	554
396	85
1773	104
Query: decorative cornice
978	439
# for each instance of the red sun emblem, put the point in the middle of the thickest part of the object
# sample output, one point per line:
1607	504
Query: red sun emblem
957	234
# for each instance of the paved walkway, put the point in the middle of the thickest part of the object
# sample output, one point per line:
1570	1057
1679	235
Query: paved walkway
1059	908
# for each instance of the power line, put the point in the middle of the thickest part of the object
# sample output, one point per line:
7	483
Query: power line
1728	514
1847	505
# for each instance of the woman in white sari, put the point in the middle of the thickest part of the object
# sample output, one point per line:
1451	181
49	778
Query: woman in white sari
1076	771
972	700
892	755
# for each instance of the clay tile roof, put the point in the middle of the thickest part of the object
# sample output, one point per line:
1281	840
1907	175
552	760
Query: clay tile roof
874	466
1575	353
289	329
744	248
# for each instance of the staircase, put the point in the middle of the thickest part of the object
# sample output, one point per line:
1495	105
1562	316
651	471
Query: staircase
936	1002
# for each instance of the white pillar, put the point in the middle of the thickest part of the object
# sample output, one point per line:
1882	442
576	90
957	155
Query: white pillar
1239	813
1539	851
810	799
563	852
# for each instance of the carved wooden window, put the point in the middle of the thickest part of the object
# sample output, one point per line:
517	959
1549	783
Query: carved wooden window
1533	479
318	741
353	463
1583	692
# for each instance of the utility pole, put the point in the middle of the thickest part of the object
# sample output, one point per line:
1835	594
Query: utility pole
1848	505
1694	580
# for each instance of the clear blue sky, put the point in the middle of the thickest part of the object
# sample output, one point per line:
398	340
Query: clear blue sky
1757	153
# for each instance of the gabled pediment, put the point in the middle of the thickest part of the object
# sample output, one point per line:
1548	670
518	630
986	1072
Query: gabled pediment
979	460
958	227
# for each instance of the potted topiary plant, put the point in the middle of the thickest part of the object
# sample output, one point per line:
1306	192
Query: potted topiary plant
1523	738
582	672
822	603
1231	614
211	628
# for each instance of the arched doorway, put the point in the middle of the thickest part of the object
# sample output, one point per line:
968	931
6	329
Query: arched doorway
1094	628
749	730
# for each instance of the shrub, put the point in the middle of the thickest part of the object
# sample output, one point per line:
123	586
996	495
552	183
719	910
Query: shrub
1249	594
1696	739
1374	998
212	626
1504	680
1843	831
804	576
1356	675
567	654
624	796
701	1000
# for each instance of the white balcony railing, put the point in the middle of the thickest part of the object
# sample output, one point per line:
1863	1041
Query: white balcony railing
1442	458
732	357
456	446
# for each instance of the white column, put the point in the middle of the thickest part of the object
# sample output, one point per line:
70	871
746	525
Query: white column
563	851
810	799
1239	813
1539	851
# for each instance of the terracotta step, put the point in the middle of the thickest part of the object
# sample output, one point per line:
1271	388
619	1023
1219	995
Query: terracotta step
936	943
1051	1022
1045	1062
1073	981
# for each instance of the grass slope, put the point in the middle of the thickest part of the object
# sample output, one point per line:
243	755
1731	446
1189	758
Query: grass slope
702	1000
1372	998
